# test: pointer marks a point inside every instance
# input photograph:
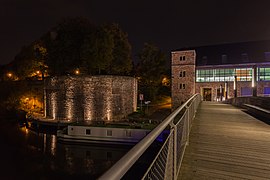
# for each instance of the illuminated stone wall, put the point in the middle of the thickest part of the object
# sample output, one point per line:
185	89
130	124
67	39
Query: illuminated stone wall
183	86
98	98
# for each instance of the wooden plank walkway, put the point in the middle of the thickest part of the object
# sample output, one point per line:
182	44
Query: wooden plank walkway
226	143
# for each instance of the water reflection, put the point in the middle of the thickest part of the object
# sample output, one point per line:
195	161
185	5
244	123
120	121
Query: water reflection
39	156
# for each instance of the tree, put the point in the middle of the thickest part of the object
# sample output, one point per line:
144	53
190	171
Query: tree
75	43
64	43
97	51
150	69
121	62
30	60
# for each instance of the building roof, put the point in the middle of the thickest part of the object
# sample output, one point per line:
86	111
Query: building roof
233	53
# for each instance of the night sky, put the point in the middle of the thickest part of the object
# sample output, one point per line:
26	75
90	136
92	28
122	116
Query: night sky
168	24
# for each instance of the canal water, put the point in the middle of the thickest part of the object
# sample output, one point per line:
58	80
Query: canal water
27	154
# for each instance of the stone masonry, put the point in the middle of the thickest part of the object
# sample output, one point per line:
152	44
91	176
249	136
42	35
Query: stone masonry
90	98
183	76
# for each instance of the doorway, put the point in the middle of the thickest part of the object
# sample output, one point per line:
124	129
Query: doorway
207	94
220	94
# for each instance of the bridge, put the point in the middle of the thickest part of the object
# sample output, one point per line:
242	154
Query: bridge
206	140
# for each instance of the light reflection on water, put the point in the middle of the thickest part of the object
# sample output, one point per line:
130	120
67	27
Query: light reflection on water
40	156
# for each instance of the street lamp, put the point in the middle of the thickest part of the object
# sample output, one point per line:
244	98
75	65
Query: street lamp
9	75
77	72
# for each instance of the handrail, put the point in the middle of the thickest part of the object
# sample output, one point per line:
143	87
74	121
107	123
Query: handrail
118	170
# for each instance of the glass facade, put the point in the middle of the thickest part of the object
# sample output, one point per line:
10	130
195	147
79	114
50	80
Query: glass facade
264	74
222	75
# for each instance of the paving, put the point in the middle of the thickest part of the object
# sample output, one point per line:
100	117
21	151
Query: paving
226	143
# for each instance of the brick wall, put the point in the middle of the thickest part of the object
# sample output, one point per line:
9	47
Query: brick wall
183	76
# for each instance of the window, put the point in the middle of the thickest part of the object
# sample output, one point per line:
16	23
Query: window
109	132
182	74
182	86
88	131
128	133
182	58
264	74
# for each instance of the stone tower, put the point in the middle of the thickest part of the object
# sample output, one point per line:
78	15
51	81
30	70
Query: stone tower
183	76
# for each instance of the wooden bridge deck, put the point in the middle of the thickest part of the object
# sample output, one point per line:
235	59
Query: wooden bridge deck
226	143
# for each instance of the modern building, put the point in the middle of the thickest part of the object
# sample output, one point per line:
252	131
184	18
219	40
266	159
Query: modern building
219	72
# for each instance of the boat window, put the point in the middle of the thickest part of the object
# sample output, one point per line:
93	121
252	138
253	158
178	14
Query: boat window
109	132
128	133
88	131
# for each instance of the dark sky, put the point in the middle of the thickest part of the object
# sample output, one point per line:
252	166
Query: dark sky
169	24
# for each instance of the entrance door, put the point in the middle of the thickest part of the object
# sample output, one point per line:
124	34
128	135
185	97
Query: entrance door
220	95
207	94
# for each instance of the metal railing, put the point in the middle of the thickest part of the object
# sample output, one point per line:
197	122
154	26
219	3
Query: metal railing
167	163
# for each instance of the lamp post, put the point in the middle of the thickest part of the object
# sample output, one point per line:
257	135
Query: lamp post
235	86
254	81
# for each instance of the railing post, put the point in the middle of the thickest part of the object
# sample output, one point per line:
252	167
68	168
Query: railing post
118	170
187	128
174	127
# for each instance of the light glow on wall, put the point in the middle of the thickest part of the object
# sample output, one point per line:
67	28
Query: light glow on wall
54	104
109	107
253	81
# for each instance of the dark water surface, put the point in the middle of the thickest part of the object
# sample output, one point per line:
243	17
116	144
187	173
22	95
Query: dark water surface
28	155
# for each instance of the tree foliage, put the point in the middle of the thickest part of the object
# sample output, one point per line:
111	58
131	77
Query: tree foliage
97	51
121	62
76	43
64	44
150	69
30	59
